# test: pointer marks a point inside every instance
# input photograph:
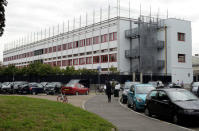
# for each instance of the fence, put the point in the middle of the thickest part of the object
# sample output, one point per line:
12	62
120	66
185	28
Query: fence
93	79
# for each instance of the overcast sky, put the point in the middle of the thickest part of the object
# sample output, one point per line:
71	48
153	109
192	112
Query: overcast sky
26	16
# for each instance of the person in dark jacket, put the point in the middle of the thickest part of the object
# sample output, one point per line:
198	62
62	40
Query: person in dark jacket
108	90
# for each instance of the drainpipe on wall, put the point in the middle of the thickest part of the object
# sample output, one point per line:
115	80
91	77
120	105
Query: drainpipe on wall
165	48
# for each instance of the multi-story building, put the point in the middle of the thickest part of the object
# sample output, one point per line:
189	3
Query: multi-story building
146	44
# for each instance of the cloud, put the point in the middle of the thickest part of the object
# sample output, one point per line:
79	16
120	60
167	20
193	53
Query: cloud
26	16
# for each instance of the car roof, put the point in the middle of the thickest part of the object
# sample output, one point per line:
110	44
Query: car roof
143	85
169	89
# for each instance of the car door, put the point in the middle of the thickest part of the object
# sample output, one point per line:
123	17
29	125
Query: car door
80	90
131	94
163	105
152	102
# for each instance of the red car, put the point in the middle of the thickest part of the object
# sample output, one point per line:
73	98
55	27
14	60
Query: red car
74	88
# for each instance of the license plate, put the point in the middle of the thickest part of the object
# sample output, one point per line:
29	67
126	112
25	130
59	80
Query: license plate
66	89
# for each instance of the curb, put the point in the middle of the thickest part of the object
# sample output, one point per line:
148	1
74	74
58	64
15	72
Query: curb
152	118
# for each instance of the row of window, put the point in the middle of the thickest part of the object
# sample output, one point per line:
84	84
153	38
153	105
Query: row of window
82	43
82	61
76	44
85	60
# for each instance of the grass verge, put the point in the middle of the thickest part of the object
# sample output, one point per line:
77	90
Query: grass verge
22	113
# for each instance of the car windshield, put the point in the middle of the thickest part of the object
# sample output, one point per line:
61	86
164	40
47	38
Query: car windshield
181	95
195	84
129	84
36	84
72	83
6	83
144	89
51	84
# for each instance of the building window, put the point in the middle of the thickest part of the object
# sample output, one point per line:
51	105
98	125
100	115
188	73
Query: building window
70	45
110	36
89	60
64	46
59	63
75	61
69	63
50	49
181	58
95	59
75	44
81	61
104	58
54	48
96	40
64	62
181	36
112	57
59	47
114	35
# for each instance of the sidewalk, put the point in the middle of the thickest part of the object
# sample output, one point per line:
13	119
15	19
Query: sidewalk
125	119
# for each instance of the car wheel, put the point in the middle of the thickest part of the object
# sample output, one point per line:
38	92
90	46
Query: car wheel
147	112
134	107
175	119
76	93
128	104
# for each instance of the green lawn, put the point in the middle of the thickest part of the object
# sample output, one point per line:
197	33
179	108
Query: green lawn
24	114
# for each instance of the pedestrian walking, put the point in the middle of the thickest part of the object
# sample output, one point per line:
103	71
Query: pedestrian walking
108	91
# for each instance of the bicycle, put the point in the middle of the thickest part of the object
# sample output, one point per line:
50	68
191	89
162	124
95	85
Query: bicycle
62	98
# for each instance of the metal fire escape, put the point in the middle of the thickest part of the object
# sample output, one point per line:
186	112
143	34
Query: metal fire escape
144	45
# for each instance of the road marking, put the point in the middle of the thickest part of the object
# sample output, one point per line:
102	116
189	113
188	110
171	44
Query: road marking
151	117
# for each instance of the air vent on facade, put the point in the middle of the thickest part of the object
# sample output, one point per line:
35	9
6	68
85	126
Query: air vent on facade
160	44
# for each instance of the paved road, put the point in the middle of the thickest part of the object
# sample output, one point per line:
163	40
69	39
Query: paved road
125	119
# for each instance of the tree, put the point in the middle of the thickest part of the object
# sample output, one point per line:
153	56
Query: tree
113	70
3	3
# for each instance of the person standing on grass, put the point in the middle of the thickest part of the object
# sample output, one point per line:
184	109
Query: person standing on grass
108	91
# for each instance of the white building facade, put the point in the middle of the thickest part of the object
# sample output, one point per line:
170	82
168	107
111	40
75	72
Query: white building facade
148	46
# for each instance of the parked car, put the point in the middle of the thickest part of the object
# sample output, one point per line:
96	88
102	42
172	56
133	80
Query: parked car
126	88
156	84
176	104
75	88
194	87
53	88
24	88
36	88
7	87
44	84
0	87
17	84
136	95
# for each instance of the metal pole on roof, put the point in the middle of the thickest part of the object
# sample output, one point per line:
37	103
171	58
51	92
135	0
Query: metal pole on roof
68	25
74	23
80	21
101	14
167	14
129	8
86	19
94	16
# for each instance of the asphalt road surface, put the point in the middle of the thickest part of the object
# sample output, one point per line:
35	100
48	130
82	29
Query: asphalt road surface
125	119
